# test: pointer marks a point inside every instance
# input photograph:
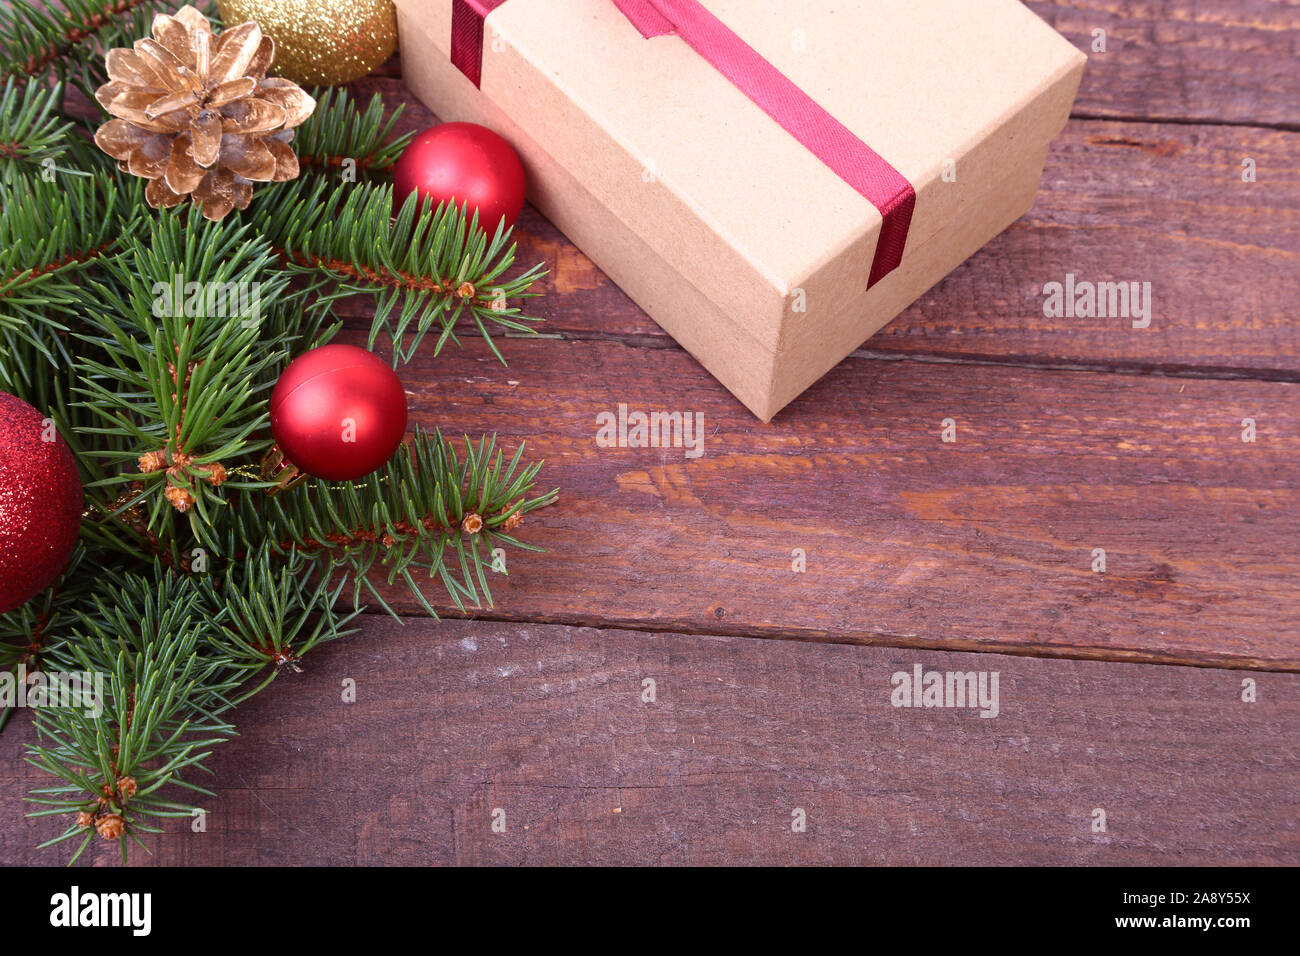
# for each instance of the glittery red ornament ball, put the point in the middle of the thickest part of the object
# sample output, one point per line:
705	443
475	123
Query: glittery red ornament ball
338	412
465	163
40	503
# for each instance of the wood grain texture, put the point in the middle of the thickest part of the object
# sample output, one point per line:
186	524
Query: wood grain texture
455	720
1119	202
1220	60
986	542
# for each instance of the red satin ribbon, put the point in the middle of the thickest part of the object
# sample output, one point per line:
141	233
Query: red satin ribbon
817	130
467	18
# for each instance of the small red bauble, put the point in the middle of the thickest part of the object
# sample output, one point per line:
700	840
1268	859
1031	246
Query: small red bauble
465	163
40	503
338	412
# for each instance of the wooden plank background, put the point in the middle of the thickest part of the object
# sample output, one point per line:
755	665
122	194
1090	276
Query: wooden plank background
1121	690
455	721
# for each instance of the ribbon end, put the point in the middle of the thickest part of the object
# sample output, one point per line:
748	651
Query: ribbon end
893	235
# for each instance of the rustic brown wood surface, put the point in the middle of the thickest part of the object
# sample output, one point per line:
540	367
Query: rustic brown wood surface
983	542
458	721
1225	61
1072	435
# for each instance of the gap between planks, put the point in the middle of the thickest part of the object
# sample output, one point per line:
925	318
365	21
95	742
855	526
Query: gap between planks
1282	127
1286	376
900	641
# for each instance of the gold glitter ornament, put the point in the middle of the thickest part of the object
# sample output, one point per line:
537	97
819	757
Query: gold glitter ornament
322	42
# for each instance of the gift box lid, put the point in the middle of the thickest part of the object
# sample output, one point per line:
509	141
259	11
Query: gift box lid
948	92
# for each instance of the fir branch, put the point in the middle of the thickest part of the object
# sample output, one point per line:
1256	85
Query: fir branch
339	132
35	37
205	584
184	368
32	133
429	512
40	627
51	233
273	615
436	264
158	714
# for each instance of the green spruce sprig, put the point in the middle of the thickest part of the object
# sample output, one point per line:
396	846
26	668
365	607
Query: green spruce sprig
433	512
425	269
272	614
157	718
51	234
179	652
175	364
35	630
346	142
33	134
69	37
188	611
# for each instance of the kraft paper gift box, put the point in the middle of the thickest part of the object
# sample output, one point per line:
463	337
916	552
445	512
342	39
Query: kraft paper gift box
733	165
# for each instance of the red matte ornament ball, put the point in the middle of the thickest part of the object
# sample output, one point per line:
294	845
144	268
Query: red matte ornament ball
40	503
338	412
464	163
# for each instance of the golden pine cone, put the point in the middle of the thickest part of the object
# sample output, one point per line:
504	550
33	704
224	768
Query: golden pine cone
197	116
